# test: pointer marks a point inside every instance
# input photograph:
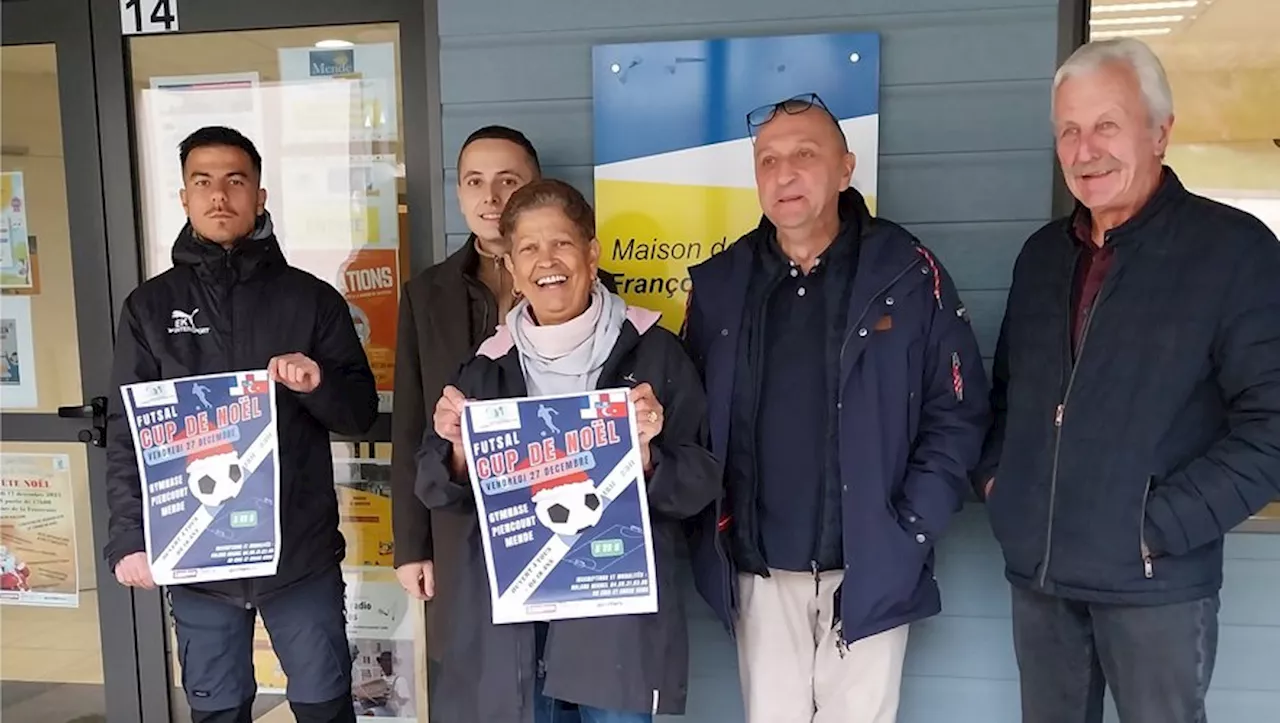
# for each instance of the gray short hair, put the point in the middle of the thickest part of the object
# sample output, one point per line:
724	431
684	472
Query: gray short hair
1152	80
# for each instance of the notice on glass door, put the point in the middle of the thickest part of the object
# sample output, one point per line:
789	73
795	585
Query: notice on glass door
37	531
364	511
366	104
15	252
380	632
169	110
18	388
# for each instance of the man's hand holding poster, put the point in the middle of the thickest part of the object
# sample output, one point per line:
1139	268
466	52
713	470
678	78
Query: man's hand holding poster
210	468
562	504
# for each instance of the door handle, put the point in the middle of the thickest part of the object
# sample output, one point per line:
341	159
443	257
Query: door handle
96	411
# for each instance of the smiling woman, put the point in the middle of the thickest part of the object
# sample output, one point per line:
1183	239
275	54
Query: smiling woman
567	335
552	251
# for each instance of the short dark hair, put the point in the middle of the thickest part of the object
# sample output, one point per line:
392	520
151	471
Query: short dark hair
545	193
502	133
219	136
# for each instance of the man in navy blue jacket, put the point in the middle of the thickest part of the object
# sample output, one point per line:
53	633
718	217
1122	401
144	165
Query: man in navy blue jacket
848	400
1137	397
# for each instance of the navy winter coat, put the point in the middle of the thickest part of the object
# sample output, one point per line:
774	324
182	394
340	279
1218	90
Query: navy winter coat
1165	432
912	414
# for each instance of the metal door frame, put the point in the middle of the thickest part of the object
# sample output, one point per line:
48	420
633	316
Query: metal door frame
66	25
419	45
1073	31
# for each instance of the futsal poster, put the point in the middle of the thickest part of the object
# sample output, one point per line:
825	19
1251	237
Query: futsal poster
209	461
562	504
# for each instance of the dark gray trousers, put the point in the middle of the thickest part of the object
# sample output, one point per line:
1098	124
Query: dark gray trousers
1157	660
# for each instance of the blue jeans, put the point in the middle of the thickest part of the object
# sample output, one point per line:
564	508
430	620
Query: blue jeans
550	710
1157	660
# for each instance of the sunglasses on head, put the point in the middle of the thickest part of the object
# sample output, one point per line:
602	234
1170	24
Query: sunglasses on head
791	106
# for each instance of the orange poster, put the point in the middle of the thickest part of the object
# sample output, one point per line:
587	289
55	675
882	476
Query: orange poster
369	278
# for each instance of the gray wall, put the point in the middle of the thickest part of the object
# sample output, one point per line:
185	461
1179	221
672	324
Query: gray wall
966	163
965	149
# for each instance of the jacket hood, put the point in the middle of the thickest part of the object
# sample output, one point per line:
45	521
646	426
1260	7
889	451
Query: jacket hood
246	257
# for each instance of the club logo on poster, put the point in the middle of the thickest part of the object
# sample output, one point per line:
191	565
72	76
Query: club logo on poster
563	506
209	462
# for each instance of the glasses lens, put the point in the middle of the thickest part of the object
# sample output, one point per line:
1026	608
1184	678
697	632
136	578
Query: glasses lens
799	104
791	106
761	115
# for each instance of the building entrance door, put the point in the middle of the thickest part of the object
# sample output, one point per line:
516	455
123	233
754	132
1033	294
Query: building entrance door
335	95
66	628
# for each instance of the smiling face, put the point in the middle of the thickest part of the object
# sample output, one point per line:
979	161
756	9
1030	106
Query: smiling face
802	165
552	264
1111	152
489	171
221	194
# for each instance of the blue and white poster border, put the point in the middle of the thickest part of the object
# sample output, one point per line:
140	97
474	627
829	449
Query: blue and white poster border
154	411
593	595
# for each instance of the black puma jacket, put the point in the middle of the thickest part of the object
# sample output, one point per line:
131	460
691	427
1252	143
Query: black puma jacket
255	307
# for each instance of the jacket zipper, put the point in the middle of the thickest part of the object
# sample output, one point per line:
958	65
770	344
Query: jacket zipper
757	361
520	669
817	577
228	300
726	581
1147	569
490	306
1059	414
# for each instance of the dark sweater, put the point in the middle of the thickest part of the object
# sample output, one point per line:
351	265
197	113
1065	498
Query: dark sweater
786	448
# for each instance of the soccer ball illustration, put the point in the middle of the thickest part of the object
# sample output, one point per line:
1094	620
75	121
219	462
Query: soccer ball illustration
215	478
568	504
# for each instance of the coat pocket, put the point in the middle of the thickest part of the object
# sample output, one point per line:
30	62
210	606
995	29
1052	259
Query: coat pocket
1148	570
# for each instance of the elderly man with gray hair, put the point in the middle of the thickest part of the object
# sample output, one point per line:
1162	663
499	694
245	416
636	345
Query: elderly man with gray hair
1137	400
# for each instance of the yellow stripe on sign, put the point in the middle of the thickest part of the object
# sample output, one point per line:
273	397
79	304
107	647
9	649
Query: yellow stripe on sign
651	233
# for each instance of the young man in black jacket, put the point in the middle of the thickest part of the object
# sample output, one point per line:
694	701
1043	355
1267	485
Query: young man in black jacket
1137	398
242	307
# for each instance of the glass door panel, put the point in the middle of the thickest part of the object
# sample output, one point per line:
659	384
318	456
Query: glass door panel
324	107
55	332
51	649
39	348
